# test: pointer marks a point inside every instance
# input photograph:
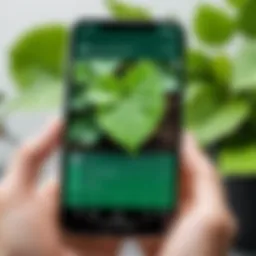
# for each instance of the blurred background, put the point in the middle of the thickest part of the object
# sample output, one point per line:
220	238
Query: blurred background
220	97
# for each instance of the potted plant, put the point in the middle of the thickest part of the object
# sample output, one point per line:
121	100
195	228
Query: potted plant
232	130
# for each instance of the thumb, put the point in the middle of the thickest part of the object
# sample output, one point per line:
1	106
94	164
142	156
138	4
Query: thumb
205	183
67	252
50	196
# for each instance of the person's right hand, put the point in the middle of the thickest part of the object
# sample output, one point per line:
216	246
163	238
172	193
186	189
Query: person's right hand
204	226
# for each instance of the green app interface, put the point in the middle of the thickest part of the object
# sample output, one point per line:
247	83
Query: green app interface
123	118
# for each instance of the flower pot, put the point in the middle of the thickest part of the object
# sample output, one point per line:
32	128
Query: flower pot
242	197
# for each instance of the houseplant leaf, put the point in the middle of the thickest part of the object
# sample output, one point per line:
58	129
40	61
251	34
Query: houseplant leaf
83	73
244	66
238	160
222	69
202	101
199	65
212	25
84	131
38	52
87	71
103	68
132	120
123	11
225	121
45	96
237	3
247	19
94	83
192	91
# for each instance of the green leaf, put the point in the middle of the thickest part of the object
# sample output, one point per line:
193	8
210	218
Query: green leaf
123	11
199	65
244	68
109	84
212	25
86	72
237	3
95	84
38	53
224	122
83	73
222	69
202	101
104	68
192	91
238	160
46	96
79	101
84	131
209	116
134	118
247	19
101	98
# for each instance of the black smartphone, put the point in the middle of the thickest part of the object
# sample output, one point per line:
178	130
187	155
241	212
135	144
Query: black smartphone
120	172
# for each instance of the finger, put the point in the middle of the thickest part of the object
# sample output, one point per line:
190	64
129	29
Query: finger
49	194
69	252
89	245
205	184
185	190
49	201
151	245
26	165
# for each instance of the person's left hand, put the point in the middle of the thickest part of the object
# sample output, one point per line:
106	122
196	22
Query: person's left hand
28	215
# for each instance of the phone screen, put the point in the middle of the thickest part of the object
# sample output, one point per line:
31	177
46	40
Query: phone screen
123	118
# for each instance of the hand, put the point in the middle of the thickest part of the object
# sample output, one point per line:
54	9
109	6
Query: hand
204	225
28	216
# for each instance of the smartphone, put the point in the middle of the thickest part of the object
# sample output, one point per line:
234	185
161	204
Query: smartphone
120	172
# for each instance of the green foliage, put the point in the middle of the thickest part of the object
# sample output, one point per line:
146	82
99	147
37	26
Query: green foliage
247	19
128	108
38	54
224	122
142	108
210	116
234	160
202	102
215	113
85	131
219	106
122	11
44	96
199	65
36	66
244	69
101	68
212	25
237	3
222	69
83	73
216	69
